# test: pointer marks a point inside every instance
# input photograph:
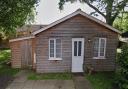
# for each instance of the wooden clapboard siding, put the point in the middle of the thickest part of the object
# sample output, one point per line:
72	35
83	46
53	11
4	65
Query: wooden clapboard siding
21	53
26	54
75	27
15	55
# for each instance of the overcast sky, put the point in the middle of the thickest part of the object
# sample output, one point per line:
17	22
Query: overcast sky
48	12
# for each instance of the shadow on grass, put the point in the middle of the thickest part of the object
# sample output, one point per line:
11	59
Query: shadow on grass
102	80
6	75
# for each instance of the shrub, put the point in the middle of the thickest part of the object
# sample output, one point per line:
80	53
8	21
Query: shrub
122	79
5	55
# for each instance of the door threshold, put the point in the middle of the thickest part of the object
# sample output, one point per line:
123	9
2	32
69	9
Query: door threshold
78	74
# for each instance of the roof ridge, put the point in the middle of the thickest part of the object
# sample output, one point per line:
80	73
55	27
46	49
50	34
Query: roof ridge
78	11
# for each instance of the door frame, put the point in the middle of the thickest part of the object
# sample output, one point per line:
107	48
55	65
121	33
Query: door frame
82	52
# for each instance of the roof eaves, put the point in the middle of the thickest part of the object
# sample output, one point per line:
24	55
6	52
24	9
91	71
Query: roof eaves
73	14
100	22
55	23
22	38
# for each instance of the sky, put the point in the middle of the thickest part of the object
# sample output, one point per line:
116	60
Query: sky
48	11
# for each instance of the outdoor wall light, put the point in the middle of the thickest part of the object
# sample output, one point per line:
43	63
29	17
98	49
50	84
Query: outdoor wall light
89	40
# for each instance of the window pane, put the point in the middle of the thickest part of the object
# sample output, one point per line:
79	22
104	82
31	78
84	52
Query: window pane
51	48
75	48
79	49
95	52
102	42
58	48
51	55
102	47
96	47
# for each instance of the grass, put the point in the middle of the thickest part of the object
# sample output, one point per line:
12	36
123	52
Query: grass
7	70
101	80
47	76
4	68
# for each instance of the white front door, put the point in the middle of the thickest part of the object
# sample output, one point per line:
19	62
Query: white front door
77	54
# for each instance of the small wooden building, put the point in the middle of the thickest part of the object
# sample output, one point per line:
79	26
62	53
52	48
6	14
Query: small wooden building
70	44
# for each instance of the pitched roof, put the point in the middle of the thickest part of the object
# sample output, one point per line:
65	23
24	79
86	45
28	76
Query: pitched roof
31	28
74	14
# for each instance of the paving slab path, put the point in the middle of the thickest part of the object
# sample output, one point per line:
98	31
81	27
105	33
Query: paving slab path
21	82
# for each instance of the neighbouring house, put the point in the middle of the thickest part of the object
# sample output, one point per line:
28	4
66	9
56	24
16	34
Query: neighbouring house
70	44
124	37
27	30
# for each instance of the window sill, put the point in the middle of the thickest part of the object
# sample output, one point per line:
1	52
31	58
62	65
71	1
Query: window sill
99	58
55	59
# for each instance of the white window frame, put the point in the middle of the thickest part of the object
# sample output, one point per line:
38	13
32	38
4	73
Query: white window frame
99	56
54	58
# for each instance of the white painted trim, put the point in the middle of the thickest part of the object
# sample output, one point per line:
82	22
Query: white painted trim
105	47
54	58
49	47
74	14
82	52
99	47
23	38
55	48
101	57
78	39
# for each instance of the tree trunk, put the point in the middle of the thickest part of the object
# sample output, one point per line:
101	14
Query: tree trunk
109	17
109	21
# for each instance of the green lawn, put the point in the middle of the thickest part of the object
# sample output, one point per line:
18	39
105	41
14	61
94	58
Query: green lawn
46	76
4	68
101	80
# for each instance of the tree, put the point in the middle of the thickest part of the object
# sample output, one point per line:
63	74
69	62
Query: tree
14	13
121	22
109	9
